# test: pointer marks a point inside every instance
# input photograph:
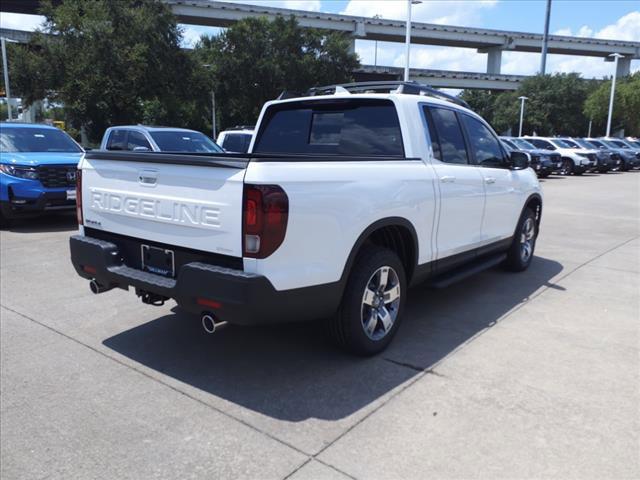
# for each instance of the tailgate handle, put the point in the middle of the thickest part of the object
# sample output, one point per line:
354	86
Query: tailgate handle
148	178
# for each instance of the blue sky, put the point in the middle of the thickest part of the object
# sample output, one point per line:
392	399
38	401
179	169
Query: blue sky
615	19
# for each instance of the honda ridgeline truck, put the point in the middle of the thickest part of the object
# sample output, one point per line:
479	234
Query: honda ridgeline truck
347	197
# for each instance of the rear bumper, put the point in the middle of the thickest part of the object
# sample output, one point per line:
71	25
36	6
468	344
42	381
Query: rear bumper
234	296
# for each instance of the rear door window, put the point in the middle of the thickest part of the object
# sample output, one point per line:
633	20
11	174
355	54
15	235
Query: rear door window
339	127
446	136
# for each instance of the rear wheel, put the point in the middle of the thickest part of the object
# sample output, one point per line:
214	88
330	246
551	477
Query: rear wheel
372	305
520	253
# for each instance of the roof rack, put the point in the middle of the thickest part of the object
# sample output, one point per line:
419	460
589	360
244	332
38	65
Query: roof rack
393	86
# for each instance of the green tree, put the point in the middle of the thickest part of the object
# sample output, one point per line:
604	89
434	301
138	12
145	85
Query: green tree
480	101
626	106
256	59
554	106
107	61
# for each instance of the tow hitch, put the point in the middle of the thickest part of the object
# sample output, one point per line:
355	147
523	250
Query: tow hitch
151	298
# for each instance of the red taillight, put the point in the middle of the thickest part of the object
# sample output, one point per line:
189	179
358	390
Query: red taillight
79	195
205	302
265	215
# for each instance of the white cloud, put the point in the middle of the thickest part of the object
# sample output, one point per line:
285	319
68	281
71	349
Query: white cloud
18	21
626	27
451	12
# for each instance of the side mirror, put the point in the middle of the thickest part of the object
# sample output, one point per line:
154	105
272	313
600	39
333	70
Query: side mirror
141	149
519	160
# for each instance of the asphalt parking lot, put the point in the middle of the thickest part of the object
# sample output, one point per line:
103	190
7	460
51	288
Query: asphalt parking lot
534	375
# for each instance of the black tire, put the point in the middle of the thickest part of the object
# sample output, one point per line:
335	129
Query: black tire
624	166
544	175
516	260
567	166
347	327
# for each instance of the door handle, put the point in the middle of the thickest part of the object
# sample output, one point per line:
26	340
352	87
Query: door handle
448	179
490	180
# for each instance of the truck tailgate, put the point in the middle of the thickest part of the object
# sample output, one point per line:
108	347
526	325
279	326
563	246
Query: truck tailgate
184	200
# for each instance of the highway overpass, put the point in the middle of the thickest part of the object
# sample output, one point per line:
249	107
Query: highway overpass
435	78
490	42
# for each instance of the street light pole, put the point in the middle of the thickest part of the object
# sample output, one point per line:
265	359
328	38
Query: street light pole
407	40
615	56
522	99
5	69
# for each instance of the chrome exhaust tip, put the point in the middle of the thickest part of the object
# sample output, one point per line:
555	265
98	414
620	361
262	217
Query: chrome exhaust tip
210	323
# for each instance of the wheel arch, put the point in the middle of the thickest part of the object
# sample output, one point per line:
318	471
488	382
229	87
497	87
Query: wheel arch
397	234
533	202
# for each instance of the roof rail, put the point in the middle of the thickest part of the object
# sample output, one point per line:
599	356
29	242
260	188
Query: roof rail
243	127
393	86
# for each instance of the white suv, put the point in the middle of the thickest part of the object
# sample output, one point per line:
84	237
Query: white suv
347	197
574	160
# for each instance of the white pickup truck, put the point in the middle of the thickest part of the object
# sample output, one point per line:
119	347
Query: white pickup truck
347	197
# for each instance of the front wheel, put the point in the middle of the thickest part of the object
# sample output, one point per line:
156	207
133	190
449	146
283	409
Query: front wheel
520	253
567	166
372	305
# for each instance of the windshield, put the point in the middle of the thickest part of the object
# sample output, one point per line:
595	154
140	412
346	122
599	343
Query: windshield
610	144
619	144
571	143
30	139
635	143
177	141
598	144
523	144
560	143
585	144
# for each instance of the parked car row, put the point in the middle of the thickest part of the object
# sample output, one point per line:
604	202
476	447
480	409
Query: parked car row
37	164
567	155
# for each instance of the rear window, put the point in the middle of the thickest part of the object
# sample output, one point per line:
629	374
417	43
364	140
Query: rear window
339	127
177	141
236	142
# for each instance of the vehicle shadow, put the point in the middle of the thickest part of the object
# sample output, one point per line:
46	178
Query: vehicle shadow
290	372
55	222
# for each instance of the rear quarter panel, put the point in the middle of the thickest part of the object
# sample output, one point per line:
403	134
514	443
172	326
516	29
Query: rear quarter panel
330	206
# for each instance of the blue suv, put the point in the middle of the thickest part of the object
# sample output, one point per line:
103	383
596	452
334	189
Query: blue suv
37	170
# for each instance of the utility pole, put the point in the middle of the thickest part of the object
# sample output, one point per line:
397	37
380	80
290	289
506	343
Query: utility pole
545	40
6	77
616	57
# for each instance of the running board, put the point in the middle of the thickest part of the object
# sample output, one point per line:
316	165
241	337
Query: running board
468	270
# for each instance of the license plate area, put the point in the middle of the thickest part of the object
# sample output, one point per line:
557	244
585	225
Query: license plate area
156	260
